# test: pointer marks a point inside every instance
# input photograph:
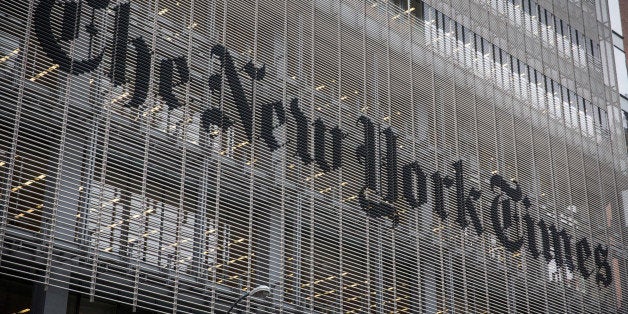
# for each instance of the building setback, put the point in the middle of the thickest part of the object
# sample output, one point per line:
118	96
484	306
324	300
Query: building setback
369	156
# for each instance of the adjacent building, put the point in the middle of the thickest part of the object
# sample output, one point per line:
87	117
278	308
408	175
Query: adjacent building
400	156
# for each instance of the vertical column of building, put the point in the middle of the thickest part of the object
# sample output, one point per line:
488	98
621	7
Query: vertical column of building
61	203
609	28
431	246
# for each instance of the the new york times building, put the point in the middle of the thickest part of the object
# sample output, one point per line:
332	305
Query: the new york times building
459	156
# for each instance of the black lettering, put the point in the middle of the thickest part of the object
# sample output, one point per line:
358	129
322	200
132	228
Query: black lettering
391	165
303	133
142	73
513	194
253	72
603	275
245	110
583	251
120	35
409	186
465	204
166	79
545	239
504	213
501	227
530	228
215	83
214	116
439	184
377	209
50	44
268	123
71	20
365	153
562	251
336	138
319	144
501	230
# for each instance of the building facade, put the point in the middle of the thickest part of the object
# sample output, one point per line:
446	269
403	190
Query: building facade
406	156
623	29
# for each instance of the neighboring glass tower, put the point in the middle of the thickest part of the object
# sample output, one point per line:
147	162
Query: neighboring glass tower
397	156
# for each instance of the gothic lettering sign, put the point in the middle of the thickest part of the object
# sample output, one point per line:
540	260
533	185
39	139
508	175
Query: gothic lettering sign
505	197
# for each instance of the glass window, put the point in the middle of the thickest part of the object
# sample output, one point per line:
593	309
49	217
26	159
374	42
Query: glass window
517	11
541	88
582	114
573	109
582	48
448	39
593	48
564	102
590	117
532	8
596	117
544	25
511	10
16	295
524	78
403	4
487	52
549	96
603	119
624	123
614	11
429	16
622	73
573	39
540	12
469	37
418	8
534	87
533	18
437	29
515	76
499	74
86	306
460	42
477	53
558	26
26	200
550	28
506	69
501	6
566	39
557	108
